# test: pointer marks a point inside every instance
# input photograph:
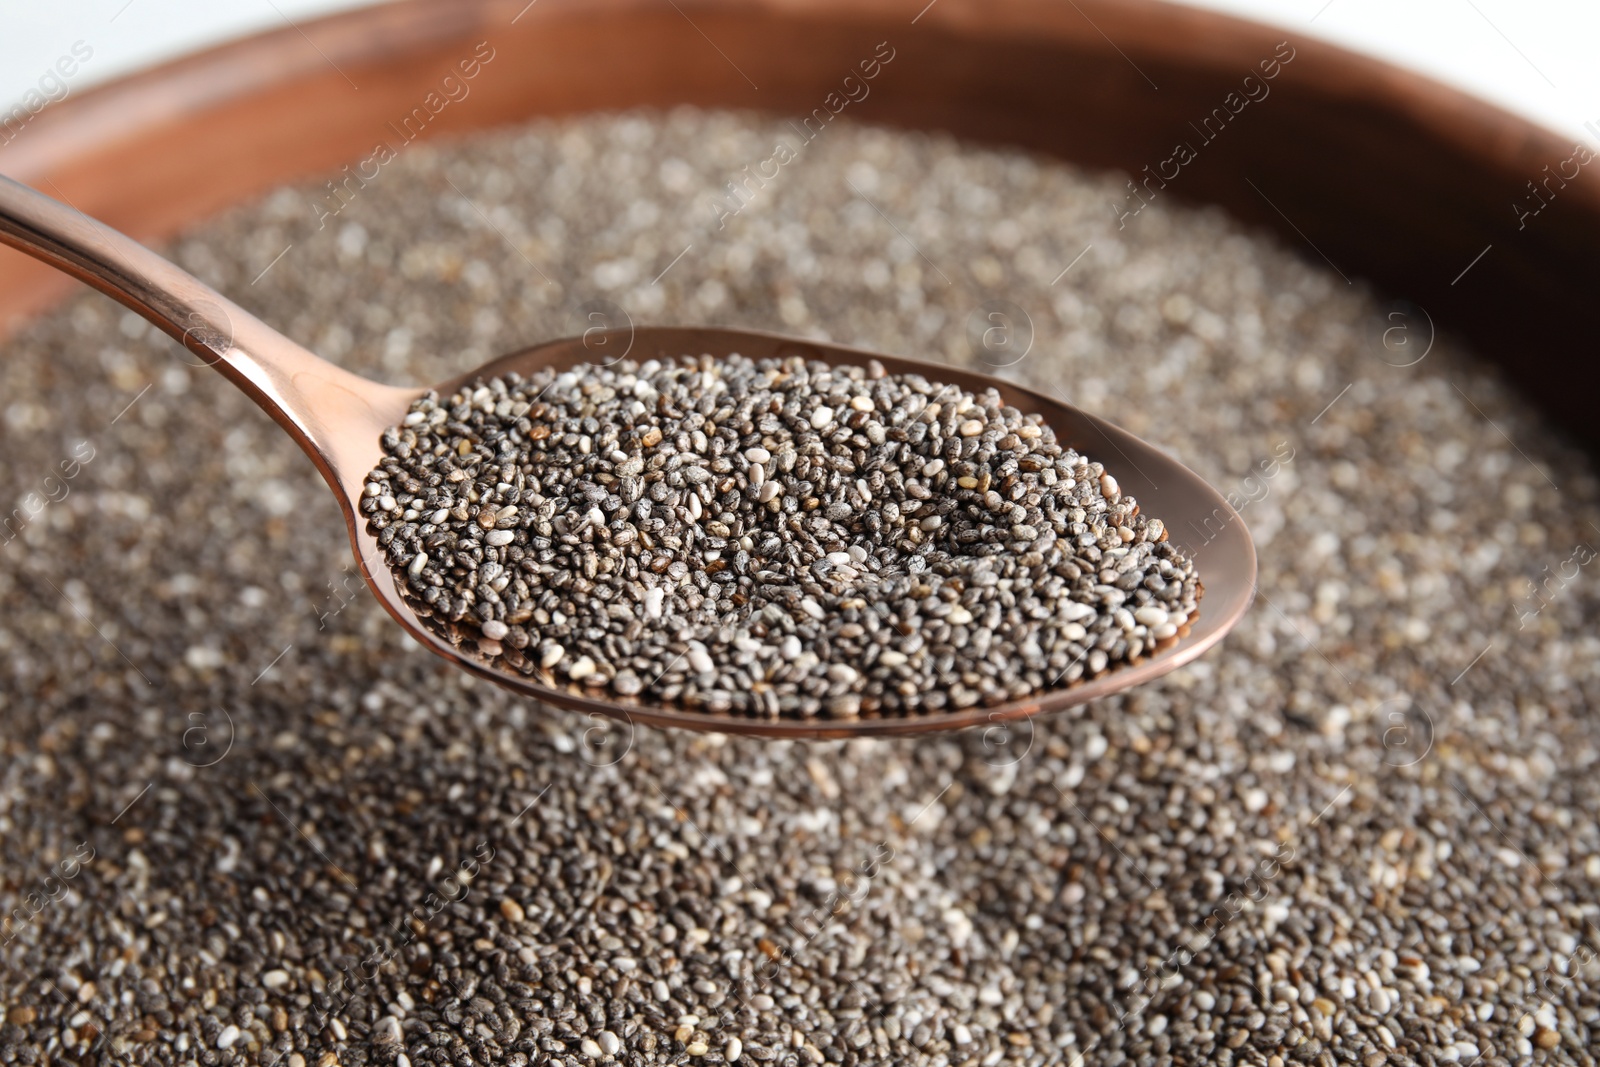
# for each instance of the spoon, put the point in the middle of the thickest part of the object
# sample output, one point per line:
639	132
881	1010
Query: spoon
338	417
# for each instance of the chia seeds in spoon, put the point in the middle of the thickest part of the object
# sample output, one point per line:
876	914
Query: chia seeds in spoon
778	538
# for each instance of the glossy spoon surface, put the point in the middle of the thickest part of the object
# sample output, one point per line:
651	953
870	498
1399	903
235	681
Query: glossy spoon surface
338	418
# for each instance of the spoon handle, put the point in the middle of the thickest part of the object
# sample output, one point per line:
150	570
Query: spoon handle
317	402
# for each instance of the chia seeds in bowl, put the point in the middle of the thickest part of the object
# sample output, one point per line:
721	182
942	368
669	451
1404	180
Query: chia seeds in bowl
773	538
1363	830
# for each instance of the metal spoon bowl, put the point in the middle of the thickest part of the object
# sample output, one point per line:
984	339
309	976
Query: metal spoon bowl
338	417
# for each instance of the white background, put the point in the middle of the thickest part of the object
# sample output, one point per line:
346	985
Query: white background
1534	57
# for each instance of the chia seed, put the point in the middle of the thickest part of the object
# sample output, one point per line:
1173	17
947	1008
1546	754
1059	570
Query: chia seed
617	512
1389	768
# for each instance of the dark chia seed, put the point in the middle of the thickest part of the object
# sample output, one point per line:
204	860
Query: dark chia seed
773	538
1365	830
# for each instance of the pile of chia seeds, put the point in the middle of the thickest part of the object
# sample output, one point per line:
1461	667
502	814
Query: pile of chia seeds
245	820
773	538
